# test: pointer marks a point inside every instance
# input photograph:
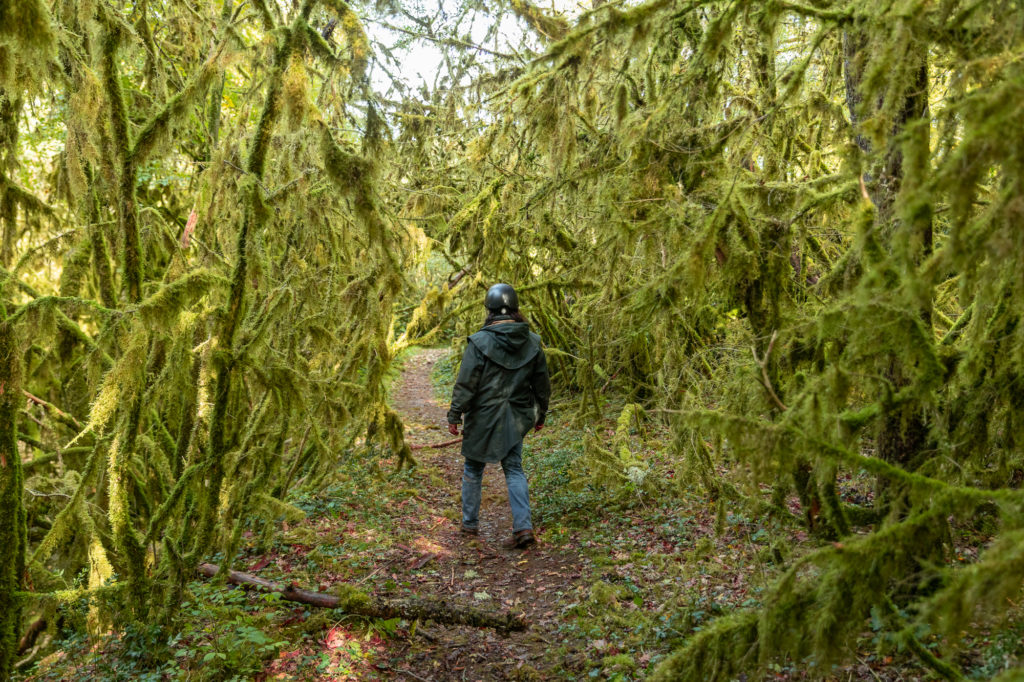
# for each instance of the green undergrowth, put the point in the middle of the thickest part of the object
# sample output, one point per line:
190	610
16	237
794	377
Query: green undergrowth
651	567
227	633
663	560
442	375
223	633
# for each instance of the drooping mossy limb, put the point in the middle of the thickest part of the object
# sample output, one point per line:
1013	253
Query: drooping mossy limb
944	669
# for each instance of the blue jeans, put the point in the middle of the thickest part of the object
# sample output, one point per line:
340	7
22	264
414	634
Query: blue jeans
518	493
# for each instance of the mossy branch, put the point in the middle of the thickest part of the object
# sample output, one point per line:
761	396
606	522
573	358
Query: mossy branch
159	126
359	603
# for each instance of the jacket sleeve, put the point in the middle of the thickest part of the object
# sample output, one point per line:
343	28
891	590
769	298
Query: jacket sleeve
541	384
466	384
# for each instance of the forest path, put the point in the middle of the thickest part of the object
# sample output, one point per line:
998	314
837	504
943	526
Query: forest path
613	584
474	570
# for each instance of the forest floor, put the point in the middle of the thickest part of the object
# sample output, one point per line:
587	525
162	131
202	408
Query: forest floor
421	551
613	584
619	576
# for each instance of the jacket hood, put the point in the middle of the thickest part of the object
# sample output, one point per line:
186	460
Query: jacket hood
509	344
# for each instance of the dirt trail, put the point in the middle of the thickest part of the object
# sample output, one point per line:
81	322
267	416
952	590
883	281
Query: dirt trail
426	423
479	570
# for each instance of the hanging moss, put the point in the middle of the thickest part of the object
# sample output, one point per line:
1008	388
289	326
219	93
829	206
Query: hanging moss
252	219
741	217
26	39
769	231
227	302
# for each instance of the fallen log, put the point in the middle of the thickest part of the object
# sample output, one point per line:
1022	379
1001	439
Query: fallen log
355	601
438	445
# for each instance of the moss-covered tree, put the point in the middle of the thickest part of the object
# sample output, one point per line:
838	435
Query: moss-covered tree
788	230
222	278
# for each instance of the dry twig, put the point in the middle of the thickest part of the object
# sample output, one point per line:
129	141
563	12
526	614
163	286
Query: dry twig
763	364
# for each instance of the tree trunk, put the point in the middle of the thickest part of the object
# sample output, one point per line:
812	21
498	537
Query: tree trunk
13	531
217	92
905	228
9	109
126	213
12	512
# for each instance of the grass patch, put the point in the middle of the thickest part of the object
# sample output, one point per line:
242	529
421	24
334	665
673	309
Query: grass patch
558	495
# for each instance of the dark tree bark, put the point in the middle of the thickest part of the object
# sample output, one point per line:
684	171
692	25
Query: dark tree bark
31	634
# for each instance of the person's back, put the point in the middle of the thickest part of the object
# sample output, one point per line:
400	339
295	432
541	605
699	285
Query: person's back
502	392
504	405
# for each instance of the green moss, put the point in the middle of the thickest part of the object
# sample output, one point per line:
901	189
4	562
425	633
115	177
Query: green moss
301	535
28	23
12	513
526	673
604	594
703	549
351	599
619	663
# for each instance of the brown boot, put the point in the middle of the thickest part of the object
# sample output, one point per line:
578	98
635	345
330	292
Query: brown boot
466	530
520	539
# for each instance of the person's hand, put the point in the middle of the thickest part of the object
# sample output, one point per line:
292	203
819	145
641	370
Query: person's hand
453	429
538	427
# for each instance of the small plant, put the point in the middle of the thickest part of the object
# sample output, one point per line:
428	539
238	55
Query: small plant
237	650
442	376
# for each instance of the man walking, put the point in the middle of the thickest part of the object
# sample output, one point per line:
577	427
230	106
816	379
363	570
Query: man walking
502	391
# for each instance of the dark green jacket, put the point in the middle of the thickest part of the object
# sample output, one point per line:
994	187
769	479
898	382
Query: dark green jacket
502	390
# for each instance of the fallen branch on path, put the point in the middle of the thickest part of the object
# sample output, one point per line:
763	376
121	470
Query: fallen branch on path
438	445
357	602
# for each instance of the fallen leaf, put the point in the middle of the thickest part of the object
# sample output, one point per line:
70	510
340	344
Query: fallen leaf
335	638
424	560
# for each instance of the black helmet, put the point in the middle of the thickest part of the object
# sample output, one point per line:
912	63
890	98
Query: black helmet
502	299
